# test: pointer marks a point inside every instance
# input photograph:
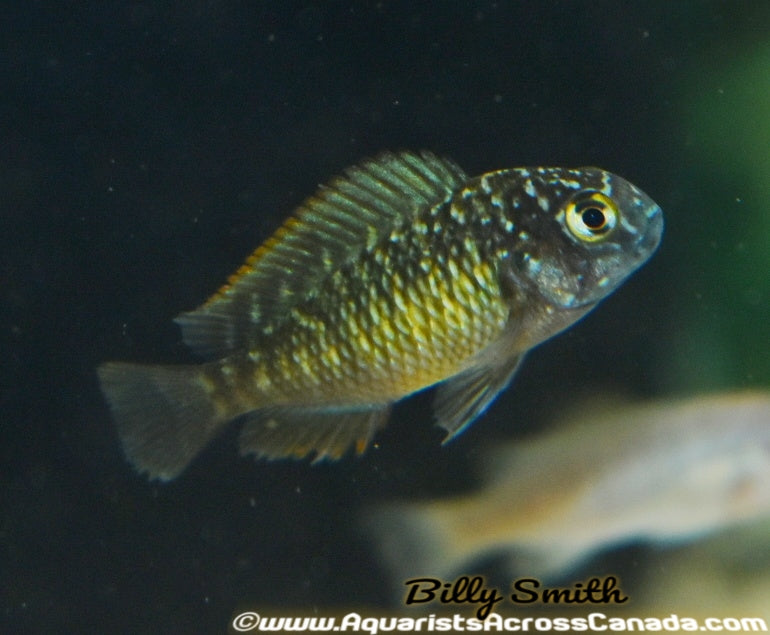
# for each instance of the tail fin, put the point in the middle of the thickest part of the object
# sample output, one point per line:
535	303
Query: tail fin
413	542
434	540
163	414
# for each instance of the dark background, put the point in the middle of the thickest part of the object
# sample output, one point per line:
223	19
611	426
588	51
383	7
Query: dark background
147	147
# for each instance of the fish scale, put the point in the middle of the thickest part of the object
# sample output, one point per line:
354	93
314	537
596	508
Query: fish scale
459	310
398	275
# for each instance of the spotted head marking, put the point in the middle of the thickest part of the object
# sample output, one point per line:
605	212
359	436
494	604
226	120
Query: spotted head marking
579	233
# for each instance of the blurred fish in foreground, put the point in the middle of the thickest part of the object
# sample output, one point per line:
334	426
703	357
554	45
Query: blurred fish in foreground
664	471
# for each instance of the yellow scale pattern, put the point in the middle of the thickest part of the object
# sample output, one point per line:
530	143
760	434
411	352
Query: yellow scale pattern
403	336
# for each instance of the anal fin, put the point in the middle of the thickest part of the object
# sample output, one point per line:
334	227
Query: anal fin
292	431
463	398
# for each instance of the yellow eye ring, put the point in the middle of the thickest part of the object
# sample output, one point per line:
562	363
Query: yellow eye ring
591	216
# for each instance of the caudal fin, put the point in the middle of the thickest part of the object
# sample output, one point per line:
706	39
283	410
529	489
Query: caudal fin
163	414
412	541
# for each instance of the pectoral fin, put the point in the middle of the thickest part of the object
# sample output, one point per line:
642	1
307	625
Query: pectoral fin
280	432
462	398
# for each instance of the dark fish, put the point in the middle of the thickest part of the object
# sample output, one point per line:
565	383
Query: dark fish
398	275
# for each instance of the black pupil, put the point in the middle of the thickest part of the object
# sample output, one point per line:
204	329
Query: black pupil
593	218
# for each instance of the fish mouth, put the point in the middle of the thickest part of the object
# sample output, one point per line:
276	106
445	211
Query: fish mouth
650	240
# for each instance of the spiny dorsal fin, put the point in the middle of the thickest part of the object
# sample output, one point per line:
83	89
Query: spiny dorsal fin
344	218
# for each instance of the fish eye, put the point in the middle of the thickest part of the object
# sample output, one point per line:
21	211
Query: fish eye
591	216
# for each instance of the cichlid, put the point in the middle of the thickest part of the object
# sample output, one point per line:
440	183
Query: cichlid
662	472
401	274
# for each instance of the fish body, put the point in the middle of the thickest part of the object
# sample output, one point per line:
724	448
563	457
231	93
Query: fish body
665	472
400	274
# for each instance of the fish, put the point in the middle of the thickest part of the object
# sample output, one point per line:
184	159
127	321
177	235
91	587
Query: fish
399	274
664	472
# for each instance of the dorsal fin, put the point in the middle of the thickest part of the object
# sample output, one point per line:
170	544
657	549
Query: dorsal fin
347	216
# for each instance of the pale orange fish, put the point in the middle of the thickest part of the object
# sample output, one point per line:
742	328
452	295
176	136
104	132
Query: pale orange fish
663	472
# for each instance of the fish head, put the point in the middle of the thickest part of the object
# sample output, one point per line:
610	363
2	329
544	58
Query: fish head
581	233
